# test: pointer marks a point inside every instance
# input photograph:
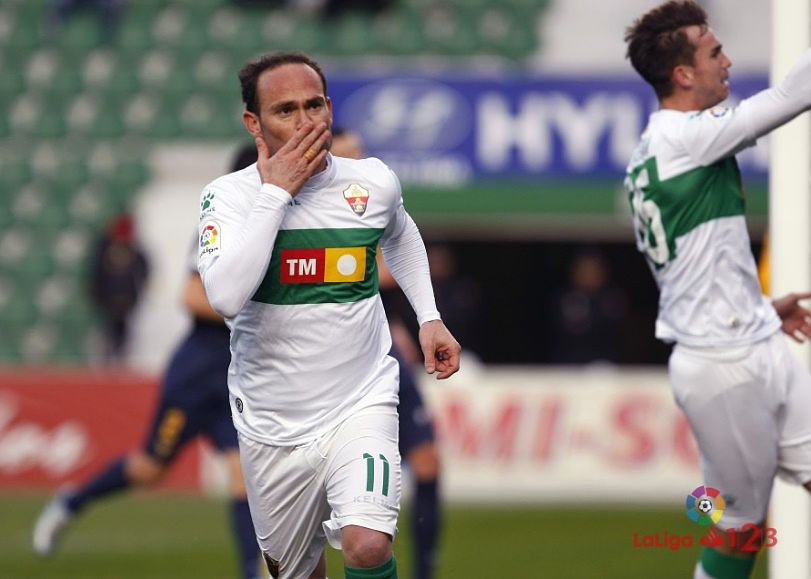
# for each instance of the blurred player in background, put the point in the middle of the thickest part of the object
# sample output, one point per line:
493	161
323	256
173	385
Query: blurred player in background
588	313
194	401
313	390
747	398
416	434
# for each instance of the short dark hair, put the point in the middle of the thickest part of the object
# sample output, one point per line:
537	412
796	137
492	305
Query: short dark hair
249	74
657	42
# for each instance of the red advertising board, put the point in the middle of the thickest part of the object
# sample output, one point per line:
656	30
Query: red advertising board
59	427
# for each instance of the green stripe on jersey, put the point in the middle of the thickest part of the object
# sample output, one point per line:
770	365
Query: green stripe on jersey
665	210
273	291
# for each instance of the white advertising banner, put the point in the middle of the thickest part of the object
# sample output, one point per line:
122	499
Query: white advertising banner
594	434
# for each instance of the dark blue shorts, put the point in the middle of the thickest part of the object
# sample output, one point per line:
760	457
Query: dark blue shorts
194	395
415	422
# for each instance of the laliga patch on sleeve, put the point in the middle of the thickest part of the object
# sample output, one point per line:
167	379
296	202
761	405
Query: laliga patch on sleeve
719	112
210	238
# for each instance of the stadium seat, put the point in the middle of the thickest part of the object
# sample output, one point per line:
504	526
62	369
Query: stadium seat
82	31
192	37
108	123
211	114
536	6
211	70
157	69
52	295
141	114
459	37
277	30
89	205
49	121
72	172
70	246
168	25
510	33
310	36
9	345
37	265
400	32
5	127
130	174
12	81
124	77
6	219
135	34
230	28
67	78
73	343
15	171
52	218
351	34
38	342
26	33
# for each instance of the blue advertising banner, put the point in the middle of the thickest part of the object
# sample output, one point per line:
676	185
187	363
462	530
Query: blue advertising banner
450	130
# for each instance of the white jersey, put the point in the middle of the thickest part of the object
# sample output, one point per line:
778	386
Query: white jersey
689	221
309	337
688	207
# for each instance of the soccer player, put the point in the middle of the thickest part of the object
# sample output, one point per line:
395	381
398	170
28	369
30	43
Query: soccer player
416	434
287	256
194	400
746	397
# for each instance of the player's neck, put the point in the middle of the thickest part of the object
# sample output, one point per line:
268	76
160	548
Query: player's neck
683	101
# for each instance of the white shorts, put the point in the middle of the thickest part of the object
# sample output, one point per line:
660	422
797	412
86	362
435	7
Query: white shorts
750	410
302	496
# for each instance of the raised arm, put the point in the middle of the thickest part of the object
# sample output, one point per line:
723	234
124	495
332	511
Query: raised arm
233	268
235	245
720	132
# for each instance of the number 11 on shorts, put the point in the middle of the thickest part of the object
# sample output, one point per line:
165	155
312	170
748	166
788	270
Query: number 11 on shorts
370	473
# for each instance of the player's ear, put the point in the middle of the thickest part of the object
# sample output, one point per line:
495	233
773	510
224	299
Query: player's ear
682	76
251	122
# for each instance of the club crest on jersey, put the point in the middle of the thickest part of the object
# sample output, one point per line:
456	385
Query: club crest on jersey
357	197
209	237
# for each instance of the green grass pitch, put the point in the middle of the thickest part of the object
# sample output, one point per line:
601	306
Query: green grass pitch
172	536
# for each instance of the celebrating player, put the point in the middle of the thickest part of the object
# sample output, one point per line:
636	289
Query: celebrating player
746	397
288	258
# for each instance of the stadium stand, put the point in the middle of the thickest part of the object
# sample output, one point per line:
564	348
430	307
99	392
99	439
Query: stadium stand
81	108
